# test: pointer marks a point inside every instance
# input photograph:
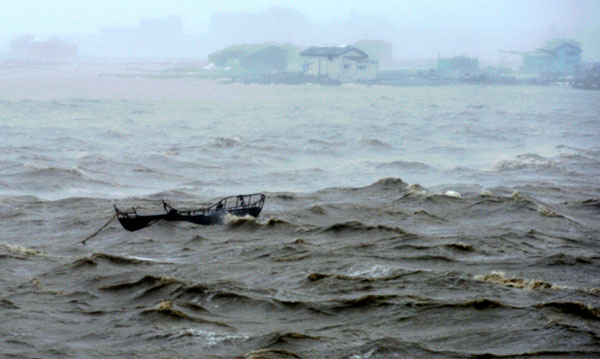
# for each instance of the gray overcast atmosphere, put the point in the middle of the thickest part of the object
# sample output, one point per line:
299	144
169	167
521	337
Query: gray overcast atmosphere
300	179
417	29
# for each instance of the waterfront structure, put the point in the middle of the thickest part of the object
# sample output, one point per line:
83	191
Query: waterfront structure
560	56
339	63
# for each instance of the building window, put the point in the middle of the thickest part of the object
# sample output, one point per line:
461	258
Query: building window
347	66
361	67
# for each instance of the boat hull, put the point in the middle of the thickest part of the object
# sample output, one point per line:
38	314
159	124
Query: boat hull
244	206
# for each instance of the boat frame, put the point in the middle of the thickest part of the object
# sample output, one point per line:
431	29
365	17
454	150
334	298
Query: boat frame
240	205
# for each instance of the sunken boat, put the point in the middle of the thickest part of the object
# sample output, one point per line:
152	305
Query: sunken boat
241	205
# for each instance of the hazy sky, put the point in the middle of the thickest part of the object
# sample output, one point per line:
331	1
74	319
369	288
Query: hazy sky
55	17
416	28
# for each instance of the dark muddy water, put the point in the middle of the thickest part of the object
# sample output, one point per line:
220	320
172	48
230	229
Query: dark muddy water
426	222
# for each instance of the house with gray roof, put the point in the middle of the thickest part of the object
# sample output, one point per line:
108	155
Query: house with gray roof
559	56
339	63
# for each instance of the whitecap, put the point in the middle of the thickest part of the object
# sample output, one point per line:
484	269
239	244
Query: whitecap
213	338
452	194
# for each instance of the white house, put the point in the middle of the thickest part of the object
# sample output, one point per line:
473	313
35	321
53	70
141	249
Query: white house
342	63
557	56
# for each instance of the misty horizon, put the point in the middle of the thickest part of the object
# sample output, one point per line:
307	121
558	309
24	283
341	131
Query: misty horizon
415	31
273	179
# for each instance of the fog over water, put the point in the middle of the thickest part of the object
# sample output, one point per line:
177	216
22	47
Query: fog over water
420	30
445	219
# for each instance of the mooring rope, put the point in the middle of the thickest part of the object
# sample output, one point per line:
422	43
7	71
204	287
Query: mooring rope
101	228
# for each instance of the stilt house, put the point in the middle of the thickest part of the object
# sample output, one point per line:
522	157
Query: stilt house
342	63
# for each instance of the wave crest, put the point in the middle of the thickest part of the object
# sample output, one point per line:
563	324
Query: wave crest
573	308
16	249
356	226
271	354
500	278
97	258
249	222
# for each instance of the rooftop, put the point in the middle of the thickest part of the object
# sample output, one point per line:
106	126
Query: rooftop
556	43
329	51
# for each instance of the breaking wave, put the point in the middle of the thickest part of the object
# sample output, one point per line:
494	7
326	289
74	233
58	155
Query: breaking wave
359	227
17	249
97	258
573	308
529	284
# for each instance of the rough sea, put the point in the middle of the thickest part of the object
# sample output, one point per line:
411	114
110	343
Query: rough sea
456	221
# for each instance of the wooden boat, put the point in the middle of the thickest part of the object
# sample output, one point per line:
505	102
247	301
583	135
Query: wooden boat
241	205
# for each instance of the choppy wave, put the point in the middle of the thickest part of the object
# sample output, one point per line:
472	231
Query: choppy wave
170	310
393	347
584	311
271	354
394	223
7	304
373	142
226	142
356	226
251	223
390	183
529	284
98	258
213	338
564	259
313	277
404	165
17	249
146	281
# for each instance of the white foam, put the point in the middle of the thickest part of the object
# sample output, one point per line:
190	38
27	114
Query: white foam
14	248
545	211
499	277
232	218
366	355
452	194
144	259
213	338
417	189
375	271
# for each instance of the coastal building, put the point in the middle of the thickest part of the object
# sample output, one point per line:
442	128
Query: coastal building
341	63
251	58
558	56
457	66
